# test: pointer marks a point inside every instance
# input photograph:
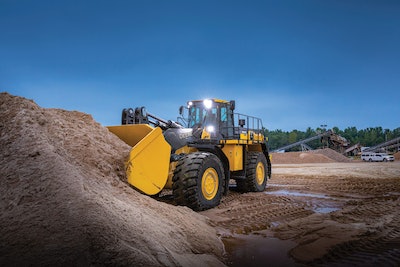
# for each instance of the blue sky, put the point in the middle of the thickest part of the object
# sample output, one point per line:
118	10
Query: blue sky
293	63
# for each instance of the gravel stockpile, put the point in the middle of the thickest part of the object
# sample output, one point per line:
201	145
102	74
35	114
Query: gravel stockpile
325	155
332	154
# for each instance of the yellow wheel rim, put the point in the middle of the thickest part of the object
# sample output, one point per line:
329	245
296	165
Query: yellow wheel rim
209	183
260	173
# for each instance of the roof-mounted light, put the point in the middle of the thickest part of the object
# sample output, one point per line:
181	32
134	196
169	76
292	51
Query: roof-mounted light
207	103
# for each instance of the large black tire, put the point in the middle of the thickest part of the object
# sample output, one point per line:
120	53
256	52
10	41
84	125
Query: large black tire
256	173
198	181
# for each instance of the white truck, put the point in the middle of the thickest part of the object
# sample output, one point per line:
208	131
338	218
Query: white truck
372	156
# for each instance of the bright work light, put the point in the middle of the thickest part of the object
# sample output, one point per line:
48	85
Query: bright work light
207	103
210	129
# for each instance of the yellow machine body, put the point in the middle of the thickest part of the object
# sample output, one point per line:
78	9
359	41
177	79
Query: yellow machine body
148	167
148	164
234	153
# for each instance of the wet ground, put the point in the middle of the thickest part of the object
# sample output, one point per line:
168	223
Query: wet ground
257	250
330	214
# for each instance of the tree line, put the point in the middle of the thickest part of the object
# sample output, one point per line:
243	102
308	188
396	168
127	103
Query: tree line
365	137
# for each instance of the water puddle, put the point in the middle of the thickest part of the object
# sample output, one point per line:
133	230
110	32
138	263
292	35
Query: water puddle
325	209
296	194
318	203
256	250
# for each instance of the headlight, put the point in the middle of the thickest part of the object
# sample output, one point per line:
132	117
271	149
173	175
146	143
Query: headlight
210	129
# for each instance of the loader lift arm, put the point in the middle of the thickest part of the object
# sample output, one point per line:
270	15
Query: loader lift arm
139	115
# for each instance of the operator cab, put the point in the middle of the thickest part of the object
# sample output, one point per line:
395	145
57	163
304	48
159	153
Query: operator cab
213	115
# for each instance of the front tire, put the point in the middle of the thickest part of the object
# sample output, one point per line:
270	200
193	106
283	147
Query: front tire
198	181
256	173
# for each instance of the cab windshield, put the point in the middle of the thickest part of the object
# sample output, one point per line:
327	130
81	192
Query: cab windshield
201	116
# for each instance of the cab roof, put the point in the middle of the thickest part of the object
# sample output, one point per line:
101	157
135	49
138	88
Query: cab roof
212	99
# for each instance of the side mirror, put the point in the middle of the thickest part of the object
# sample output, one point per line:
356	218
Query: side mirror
181	110
232	104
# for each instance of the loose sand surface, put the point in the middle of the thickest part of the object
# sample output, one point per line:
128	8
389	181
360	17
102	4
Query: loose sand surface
64	201
319	214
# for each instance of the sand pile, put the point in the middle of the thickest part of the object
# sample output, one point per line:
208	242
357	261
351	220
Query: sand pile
325	155
332	154
397	155
298	158
64	200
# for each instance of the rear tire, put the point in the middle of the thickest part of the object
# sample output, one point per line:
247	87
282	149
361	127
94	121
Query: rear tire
198	181
256	173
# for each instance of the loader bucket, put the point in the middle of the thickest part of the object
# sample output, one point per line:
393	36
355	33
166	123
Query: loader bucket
148	164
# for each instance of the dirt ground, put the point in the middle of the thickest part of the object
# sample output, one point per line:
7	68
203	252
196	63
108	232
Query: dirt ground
315	214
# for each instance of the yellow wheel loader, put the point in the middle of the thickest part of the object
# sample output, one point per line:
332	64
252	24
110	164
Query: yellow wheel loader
197	156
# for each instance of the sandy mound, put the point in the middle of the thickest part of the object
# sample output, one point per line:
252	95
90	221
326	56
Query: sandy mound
64	200
332	154
397	155
325	155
